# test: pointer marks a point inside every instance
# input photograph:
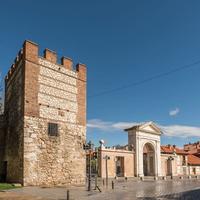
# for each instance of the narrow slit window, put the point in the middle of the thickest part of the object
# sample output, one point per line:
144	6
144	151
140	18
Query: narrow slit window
52	129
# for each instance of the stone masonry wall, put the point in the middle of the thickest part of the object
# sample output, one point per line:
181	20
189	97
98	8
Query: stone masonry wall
14	123
2	146
53	160
2	136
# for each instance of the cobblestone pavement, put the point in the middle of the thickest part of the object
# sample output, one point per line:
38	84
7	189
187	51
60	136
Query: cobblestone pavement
130	190
15	196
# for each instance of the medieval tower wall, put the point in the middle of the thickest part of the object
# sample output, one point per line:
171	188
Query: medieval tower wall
13	111
46	115
2	147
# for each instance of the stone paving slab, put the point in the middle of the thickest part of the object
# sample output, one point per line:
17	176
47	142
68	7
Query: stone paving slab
15	196
130	190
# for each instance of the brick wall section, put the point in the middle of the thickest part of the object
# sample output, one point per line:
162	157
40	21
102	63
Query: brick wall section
81	85
31	75
50	56
67	63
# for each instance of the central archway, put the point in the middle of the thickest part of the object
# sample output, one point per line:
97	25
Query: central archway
148	160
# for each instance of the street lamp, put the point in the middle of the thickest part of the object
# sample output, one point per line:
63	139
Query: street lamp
106	158
102	142
89	147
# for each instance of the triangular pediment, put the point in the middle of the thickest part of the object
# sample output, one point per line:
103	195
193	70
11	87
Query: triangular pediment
150	127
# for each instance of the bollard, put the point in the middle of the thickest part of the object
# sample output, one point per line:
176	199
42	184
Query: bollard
67	194
95	182
113	185
126	179
103	182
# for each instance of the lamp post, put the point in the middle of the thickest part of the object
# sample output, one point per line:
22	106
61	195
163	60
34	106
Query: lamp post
106	159
89	147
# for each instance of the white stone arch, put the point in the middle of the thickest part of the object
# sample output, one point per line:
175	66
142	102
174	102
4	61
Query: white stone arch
149	142
149	158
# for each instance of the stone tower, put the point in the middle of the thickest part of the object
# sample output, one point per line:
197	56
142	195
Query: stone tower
45	117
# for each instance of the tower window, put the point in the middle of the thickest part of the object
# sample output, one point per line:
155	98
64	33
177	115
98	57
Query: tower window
52	129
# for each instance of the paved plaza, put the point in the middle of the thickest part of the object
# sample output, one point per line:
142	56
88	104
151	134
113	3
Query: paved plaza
130	190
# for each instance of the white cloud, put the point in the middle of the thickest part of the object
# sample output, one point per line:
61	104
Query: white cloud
108	126
181	130
175	130
99	124
123	125
174	112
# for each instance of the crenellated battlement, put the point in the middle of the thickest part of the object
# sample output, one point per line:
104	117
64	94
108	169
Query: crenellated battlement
13	67
30	53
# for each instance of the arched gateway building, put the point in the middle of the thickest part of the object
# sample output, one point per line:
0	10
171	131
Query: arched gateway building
144	156
146	140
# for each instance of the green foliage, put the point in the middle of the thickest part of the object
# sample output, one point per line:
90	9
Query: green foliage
7	186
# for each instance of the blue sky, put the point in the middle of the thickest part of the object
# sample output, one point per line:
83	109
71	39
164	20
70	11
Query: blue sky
121	42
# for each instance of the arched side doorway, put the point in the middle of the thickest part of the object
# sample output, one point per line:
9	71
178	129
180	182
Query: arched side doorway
148	160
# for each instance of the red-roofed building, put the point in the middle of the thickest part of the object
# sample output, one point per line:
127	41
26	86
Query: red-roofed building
178	161
193	160
193	148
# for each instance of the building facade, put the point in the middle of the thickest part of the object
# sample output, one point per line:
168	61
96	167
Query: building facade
44	121
115	162
146	157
